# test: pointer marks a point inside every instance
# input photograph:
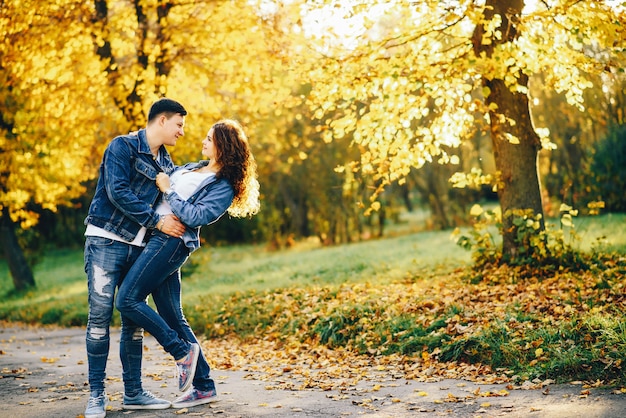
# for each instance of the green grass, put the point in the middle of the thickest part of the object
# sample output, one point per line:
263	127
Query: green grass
61	292
252	268
225	271
605	232
379	296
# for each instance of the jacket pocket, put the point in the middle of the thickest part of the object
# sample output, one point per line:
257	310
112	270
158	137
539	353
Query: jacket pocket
145	169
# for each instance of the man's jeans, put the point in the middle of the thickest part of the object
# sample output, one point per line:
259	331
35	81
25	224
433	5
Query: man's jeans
106	263
157	272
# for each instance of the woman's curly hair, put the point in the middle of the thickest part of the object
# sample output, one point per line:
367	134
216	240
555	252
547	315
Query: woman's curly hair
238	166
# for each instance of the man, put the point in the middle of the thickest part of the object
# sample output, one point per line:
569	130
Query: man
120	216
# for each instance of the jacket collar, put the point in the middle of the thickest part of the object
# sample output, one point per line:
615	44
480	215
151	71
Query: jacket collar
142	144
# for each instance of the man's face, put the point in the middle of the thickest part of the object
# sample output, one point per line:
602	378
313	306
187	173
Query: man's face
172	129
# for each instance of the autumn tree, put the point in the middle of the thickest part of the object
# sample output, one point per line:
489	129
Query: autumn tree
220	59
566	170
46	126
75	74
414	80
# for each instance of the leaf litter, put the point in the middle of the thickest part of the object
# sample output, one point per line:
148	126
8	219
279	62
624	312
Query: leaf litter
292	362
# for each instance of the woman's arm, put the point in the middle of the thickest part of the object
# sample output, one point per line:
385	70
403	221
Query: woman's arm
204	207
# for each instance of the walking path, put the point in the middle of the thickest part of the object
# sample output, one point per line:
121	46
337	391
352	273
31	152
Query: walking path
44	374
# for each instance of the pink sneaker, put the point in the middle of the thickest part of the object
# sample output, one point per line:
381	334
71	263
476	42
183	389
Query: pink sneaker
186	367
195	397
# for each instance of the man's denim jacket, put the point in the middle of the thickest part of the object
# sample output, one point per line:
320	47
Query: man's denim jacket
207	204
126	191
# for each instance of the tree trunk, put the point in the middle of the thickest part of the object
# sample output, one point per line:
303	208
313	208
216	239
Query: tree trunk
516	163
19	268
130	102
432	184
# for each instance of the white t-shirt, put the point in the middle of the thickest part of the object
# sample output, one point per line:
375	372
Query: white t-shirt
184	183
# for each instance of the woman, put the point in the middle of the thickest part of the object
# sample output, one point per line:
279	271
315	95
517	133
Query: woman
198	194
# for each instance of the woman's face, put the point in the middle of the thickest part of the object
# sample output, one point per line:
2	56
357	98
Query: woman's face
208	146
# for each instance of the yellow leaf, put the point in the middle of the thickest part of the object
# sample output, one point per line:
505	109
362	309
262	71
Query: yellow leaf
476	210
511	138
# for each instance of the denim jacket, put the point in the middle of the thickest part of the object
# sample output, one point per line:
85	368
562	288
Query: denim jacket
207	204
126	191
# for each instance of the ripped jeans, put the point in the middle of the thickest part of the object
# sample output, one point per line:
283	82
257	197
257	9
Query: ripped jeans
106	263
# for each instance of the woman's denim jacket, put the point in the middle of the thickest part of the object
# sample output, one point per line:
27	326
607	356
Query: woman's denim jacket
126	191
207	204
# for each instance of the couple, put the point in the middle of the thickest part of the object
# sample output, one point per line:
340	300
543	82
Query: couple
143	223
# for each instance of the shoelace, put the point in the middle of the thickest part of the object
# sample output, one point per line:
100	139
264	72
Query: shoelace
95	401
148	394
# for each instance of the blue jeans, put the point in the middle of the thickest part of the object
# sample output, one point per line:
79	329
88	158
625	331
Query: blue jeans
106	263
157	271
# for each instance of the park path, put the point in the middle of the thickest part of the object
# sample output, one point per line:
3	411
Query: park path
44	374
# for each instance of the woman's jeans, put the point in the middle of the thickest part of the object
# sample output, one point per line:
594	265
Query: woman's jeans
106	263
157	271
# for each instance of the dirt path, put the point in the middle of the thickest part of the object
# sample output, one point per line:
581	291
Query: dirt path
44	374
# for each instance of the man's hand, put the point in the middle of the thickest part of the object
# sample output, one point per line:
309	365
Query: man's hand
172	226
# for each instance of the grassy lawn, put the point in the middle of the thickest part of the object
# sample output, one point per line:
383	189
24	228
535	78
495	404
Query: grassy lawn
381	261
223	271
406	294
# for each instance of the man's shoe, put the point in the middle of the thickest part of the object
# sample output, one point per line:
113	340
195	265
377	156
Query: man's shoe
195	397
97	405
145	400
186	367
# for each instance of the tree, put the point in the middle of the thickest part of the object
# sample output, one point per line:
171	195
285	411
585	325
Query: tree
420	78
75	74
46	128
566	170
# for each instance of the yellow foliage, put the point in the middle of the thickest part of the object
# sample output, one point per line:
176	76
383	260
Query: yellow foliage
75	79
409	84
401	83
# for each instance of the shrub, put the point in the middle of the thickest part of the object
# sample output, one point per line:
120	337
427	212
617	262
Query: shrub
541	251
607	177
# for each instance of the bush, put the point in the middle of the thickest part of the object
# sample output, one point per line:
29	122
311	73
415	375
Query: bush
607	177
542	252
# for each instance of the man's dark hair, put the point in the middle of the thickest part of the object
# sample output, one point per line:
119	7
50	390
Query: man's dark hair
168	106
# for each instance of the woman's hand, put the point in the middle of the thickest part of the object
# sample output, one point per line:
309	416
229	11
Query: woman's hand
163	181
